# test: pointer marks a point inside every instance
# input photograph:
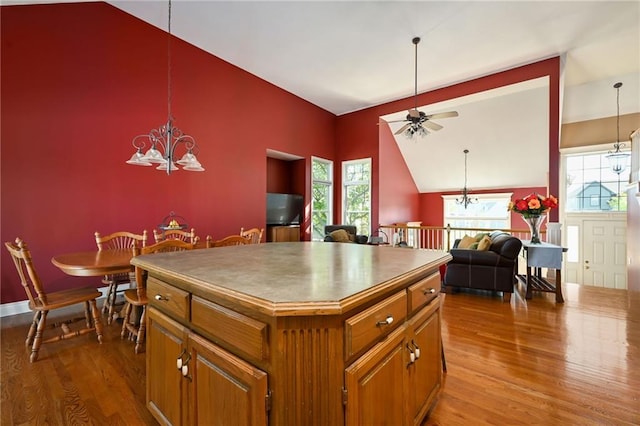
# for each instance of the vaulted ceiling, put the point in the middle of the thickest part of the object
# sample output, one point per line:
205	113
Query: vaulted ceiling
344	56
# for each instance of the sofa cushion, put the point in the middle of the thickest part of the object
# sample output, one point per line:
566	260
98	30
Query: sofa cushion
466	242
481	235
340	236
484	243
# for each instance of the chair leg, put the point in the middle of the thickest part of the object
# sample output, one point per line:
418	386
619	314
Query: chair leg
97	321
37	341
107	299
32	330
125	320
112	304
87	314
142	329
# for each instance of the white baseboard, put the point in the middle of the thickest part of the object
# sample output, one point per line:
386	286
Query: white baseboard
22	307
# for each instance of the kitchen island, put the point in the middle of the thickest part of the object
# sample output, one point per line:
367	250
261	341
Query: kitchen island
309	333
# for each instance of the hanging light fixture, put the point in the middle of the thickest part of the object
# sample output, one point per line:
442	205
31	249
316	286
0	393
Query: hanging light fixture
164	141
465	200
618	159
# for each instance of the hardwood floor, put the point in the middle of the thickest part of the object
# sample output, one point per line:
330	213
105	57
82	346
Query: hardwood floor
518	363
535	362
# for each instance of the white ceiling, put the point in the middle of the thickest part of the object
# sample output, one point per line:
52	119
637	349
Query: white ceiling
344	56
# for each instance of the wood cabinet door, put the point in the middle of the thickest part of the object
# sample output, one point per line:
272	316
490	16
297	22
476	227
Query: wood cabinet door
224	390
376	383
425	373
165	384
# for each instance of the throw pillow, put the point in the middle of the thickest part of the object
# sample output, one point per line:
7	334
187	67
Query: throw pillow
340	236
480	236
484	243
466	242
473	246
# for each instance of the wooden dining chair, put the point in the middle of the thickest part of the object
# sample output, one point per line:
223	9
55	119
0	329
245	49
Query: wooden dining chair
176	234
231	240
121	240
41	303
253	234
137	297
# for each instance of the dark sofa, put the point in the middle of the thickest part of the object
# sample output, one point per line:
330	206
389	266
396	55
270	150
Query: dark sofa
351	231
493	269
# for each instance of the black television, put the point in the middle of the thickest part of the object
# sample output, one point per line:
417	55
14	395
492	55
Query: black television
284	209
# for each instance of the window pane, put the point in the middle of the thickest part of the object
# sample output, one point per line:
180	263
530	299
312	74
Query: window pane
592	185
321	171
320	209
357	195
321	196
489	212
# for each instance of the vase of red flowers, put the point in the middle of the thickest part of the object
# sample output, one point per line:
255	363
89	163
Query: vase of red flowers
534	209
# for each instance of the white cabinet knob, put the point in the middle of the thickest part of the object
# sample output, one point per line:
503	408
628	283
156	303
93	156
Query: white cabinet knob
388	321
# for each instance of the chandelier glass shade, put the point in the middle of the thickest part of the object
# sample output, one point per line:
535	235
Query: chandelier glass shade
618	160
164	141
465	199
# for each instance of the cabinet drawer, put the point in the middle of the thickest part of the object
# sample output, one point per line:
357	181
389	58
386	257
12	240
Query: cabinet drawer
240	331
168	299
369	325
424	291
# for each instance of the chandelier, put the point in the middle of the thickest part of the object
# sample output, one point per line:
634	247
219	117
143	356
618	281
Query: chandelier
465	200
164	141
618	159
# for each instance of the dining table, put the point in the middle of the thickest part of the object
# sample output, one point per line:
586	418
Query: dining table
95	262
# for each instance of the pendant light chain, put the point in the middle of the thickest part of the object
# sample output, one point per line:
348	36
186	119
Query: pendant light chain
618	117
415	74
169	64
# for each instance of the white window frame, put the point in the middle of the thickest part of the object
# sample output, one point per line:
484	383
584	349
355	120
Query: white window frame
346	184
329	185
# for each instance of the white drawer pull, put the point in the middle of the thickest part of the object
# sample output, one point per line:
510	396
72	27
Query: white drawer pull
388	321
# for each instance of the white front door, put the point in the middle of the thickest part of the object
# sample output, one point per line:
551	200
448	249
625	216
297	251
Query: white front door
604	253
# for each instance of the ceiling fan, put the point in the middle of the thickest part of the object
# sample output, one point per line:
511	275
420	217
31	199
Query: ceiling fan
417	122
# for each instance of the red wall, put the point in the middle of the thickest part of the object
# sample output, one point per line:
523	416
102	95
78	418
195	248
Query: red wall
79	81
398	194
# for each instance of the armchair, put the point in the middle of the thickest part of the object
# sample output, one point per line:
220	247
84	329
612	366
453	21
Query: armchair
351	234
491	269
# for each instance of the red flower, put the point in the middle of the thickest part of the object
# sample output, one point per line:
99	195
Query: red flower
533	205
550	202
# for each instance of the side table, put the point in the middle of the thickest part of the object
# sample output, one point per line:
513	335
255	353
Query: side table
543	255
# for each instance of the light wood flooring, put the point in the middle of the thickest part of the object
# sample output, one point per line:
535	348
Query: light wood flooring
518	363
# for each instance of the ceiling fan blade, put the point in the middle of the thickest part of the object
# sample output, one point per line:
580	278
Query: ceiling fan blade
397	121
432	125
414	113
443	114
402	129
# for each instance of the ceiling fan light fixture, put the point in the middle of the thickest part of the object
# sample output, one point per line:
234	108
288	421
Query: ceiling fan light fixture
417	122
